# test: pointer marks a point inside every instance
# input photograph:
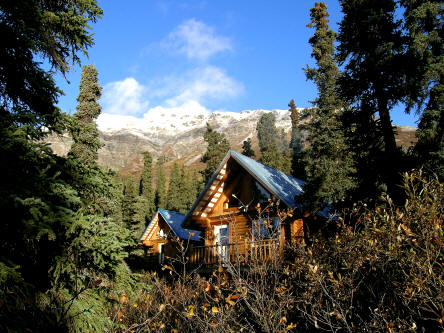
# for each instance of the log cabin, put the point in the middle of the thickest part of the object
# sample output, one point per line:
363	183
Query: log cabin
162	233
247	210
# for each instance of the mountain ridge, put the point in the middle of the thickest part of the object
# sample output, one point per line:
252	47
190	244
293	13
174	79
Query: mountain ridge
176	137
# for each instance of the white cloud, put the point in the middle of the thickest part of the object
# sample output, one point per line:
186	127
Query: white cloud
184	94
203	84
196	40
125	97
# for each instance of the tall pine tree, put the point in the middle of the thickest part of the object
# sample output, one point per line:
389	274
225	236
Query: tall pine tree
160	198
329	165
296	143
217	147
372	47
267	134
58	235
175	197
424	24
146	184
84	129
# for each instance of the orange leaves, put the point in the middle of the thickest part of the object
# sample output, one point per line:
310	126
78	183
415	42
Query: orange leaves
231	299
123	299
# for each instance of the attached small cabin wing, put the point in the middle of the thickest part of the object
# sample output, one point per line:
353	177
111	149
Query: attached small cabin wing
165	225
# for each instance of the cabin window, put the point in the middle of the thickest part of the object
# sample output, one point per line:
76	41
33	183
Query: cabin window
265	228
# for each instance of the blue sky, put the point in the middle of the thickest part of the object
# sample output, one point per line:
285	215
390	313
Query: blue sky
202	56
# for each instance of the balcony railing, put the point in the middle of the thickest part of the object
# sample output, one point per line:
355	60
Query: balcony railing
242	252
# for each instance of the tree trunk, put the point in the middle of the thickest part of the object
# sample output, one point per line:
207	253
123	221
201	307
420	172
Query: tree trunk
387	129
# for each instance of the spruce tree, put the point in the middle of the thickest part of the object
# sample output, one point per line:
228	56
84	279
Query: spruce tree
175	199
60	235
296	143
84	129
160	198
423	22
286	152
247	150
129	206
189	189
146	184
328	164
267	134
372	48
217	147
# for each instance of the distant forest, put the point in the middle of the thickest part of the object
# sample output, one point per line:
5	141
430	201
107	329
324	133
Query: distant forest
69	229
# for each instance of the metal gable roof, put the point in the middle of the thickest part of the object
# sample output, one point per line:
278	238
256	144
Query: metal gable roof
174	221
283	186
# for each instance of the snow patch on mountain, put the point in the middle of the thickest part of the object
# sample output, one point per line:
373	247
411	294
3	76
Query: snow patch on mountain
167	122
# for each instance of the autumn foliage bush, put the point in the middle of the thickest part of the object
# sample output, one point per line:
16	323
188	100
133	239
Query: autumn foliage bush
382	271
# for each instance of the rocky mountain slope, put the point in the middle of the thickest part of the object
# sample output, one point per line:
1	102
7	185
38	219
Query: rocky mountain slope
177	137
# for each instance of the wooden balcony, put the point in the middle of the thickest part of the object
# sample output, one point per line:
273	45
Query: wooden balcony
238	253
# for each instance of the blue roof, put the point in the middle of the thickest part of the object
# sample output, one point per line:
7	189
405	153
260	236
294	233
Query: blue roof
175	221
283	186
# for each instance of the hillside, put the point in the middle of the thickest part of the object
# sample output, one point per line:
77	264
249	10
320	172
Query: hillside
179	138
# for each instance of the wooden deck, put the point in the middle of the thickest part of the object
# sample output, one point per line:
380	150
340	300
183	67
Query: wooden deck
239	253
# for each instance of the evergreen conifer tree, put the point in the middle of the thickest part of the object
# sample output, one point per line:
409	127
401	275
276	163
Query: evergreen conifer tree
84	129
217	147
423	22
189	189
146	185
372	47
286	152
130	215
60	231
296	144
160	198
175	200
247	150
267	134
329	165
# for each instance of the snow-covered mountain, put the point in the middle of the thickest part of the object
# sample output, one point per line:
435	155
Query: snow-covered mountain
179	137
175	136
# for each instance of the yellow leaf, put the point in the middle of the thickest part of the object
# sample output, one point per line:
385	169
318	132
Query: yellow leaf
215	309
174	331
229	301
291	326
135	305
161	307
220	269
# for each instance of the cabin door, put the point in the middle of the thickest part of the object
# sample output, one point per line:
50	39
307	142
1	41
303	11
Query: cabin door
222	241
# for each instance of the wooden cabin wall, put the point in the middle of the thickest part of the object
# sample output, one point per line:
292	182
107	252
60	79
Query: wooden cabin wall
297	229
242	186
240	229
155	239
